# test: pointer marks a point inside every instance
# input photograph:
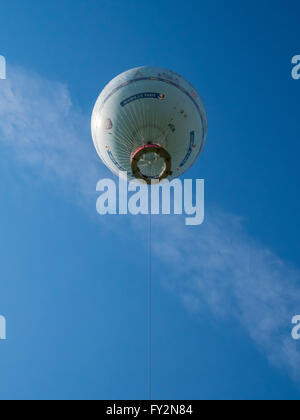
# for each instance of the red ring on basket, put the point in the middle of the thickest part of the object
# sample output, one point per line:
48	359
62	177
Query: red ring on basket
150	148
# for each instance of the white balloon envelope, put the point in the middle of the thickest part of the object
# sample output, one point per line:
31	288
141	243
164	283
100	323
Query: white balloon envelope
149	122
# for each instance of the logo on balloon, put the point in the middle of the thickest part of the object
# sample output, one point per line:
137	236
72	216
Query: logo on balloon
108	125
142	95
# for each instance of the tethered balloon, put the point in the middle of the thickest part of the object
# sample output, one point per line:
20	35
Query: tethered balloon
149	122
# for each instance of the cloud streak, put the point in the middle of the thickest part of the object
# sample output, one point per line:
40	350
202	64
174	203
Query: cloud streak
218	266
41	125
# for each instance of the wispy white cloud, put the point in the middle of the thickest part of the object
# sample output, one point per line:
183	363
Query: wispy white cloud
43	128
216	265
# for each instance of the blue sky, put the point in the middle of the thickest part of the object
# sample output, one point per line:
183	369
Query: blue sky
74	286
